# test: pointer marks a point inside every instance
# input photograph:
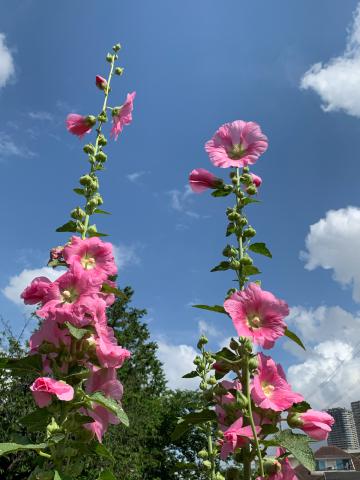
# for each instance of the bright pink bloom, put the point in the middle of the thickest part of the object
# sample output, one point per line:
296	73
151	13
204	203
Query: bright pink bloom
122	115
257	314
316	424
94	257
49	332
36	291
100	82
236	436
201	179
79	125
257	181
104	380
102	418
236	144
69	298
270	389
44	387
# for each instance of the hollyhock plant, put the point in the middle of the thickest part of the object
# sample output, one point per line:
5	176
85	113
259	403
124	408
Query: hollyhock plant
315	424
100	82
44	388
122	116
79	125
236	144
236	436
270	389
201	179
257	314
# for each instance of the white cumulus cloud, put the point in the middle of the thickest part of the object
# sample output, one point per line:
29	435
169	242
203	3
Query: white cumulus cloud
18	283
337	81
126	255
7	68
333	244
177	360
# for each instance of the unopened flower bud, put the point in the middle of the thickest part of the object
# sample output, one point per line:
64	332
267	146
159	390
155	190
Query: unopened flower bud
119	71
246	169
203	385
53	427
271	466
92	229
246	261
102	117
203	454
109	57
207	464
212	381
77	213
235	264
90	120
101	156
202	341
100	82
102	140
234	180
85	180
249	233
253	363
233	215
246	178
89	148
294	420
197	360
117	47
251	190
233	344
243	221
241	400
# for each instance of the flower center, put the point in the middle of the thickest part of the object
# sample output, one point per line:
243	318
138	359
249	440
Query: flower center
254	321
69	296
237	151
267	389
88	262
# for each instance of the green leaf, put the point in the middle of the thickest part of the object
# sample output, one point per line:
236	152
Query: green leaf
32	363
102	451
57	476
103	212
220	192
37	420
79	191
181	428
14	447
213	308
227	356
194	418
249	200
97	234
250	270
111	405
75	332
67	227
107	475
230	229
221	267
106	288
288	333
298	445
185	466
260	248
268	429
192	374
301	407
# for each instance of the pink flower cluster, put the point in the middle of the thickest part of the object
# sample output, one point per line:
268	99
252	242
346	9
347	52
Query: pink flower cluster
77	299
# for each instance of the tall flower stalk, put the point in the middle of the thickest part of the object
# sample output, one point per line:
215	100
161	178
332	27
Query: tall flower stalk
74	353
242	414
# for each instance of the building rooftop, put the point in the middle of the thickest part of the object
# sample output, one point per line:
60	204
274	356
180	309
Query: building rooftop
331	452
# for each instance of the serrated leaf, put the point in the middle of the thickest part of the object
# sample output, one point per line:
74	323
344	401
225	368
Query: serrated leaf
67	227
36	421
106	288
79	191
288	333
111	405
75	332
107	475
213	308
298	445
103	212
14	447
250	270
31	363
261	248
192	374
221	267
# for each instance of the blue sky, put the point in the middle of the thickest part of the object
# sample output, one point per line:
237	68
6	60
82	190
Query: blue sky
194	66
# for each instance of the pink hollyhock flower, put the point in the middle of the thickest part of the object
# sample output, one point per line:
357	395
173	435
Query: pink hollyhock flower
257	314
236	436
49	332
102	419
93	256
316	424
36	291
70	298
44	387
100	82
104	380
122	115
79	125
201	179
236	144
257	181
270	389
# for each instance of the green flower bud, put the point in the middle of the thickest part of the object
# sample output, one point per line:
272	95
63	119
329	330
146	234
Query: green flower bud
227	251
212	381
233	344
234	180
203	385
233	215
235	264
89	148
246	261
253	363
271	466
241	400
53	427
294	420
246	178
109	57
77	213
91	120
202	341
207	464
246	169
197	360
117	47
233	174
251	190
102	140
102	117
249	233
203	454
119	71
243	221
85	180
101	157
92	229
80	227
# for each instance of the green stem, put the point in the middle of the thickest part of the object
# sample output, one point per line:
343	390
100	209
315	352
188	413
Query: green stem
211	452
104	107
